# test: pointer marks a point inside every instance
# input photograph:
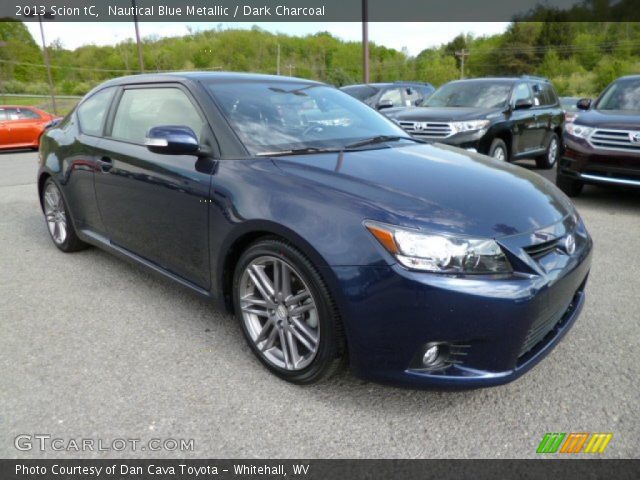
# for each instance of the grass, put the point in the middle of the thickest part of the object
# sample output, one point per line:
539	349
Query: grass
64	105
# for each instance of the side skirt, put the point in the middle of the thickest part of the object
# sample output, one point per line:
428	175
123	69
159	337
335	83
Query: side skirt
104	243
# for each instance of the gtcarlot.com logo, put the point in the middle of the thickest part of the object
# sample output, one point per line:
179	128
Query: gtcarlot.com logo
574	443
45	442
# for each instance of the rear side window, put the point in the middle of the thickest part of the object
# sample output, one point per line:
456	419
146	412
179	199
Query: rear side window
92	112
141	109
393	95
549	94
26	114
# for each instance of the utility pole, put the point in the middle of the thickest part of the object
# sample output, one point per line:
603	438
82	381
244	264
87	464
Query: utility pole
278	61
135	22
47	62
462	54
365	41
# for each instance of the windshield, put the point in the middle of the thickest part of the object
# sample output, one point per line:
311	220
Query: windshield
622	95
272	117
471	95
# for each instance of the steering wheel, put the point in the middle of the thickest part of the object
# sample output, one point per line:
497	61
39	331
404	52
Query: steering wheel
313	130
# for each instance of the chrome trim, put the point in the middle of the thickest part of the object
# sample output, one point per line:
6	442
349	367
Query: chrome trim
618	181
430	130
614	139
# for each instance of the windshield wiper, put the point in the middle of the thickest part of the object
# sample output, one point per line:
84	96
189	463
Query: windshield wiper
297	151
381	139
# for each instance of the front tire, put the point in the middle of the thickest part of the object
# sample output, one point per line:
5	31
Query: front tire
59	223
549	159
498	150
570	186
286	312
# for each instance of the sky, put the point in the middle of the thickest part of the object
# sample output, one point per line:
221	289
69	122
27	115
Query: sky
414	36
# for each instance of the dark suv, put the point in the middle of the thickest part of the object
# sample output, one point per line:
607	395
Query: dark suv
391	96
506	118
602	145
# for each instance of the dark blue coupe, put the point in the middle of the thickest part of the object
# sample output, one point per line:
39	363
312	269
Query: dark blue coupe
329	232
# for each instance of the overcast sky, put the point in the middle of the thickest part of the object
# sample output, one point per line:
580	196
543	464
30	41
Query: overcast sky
414	36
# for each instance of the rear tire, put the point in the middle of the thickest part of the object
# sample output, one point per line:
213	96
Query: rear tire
286	312
550	158
59	223
498	150
570	186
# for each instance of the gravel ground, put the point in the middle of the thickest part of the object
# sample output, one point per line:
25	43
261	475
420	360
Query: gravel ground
93	347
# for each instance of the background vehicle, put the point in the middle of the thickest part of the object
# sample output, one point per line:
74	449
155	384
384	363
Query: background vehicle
391	96
570	107
506	118
436	267
602	145
21	127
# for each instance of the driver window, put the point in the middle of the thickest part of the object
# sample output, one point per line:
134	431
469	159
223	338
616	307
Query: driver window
141	109
521	92
394	95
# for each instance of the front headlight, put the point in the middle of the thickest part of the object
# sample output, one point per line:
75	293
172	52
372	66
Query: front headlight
577	130
440	253
470	126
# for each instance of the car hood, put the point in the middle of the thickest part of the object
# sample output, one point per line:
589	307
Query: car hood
621	119
445	114
435	187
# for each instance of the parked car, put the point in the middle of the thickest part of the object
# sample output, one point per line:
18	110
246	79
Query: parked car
22	127
427	266
391	96
570	107
505	118
602	145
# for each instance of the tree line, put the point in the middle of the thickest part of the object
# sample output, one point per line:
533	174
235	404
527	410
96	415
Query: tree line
581	58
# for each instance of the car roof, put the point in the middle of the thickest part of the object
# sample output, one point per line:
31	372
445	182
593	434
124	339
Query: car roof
222	77
389	84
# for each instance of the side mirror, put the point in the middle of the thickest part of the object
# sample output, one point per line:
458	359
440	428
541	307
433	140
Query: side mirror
418	102
584	104
172	140
523	104
384	104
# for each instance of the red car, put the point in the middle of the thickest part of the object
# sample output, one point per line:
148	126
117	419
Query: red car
21	127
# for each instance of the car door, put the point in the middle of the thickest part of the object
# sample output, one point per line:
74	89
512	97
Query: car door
542	115
153	204
25	126
523	122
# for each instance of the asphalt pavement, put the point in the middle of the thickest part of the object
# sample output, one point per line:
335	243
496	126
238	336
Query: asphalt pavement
92	347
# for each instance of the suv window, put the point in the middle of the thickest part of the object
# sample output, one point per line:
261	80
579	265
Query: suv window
394	95
543	94
361	92
143	108
411	95
92	112
521	92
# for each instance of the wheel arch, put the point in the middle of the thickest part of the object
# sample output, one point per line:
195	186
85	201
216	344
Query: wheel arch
507	137
253	231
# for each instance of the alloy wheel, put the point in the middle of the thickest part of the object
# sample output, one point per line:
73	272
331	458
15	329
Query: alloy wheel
279	313
499	154
55	214
552	153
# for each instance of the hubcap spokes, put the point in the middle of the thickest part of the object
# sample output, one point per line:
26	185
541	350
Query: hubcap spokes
498	154
279	313
54	214
553	152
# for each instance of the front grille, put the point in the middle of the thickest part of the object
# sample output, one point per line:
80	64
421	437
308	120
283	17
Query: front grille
615	140
541	249
427	130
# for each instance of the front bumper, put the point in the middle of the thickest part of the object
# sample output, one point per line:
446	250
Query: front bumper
582	162
391	314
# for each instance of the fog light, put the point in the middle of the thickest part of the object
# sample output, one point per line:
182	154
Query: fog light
430	357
